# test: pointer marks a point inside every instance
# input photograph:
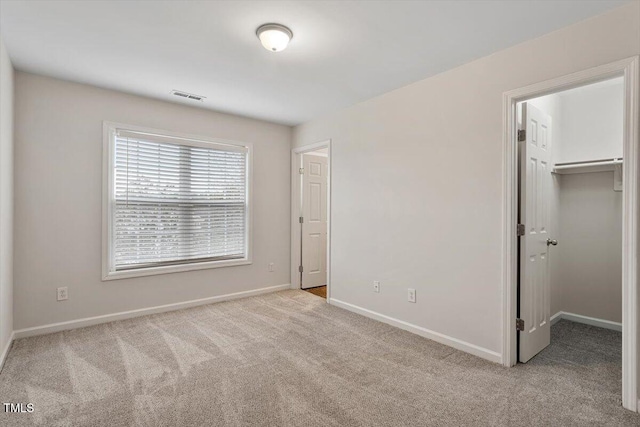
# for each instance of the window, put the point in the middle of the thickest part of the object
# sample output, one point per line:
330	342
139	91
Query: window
174	203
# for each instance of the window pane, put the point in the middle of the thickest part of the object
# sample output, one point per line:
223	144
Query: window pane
177	203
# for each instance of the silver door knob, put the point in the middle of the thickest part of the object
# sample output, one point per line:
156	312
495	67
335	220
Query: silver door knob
553	242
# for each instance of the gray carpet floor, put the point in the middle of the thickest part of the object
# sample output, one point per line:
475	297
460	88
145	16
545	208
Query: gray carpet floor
290	359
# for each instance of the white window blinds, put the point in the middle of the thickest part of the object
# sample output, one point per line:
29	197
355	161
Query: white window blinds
176	201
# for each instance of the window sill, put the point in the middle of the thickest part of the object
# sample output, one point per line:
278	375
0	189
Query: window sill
152	271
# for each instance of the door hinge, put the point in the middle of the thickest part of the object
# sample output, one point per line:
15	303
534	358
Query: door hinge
519	325
301	170
300	269
301	219
522	135
520	230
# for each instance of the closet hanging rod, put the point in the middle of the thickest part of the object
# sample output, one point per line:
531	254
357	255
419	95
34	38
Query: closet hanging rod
603	162
588	166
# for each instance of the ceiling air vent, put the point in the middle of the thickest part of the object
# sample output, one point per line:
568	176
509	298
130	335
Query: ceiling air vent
187	95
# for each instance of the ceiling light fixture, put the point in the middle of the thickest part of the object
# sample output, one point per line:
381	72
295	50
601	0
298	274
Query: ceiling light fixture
274	37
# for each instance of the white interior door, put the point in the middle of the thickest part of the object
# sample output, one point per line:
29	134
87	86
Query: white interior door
314	225
535	214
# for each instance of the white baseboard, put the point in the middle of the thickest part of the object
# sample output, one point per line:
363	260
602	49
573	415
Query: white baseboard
555	318
423	332
578	318
89	321
5	350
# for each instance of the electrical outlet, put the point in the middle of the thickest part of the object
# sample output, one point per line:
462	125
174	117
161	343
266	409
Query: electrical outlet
376	286
411	296
62	294
272	267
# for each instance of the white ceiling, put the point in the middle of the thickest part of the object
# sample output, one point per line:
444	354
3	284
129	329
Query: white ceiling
342	52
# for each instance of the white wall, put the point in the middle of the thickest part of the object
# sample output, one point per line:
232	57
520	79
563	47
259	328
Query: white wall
417	181
586	267
592	125
589	268
58	188
6	199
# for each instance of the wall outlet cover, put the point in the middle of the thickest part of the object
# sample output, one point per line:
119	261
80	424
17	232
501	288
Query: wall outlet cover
411	296
376	286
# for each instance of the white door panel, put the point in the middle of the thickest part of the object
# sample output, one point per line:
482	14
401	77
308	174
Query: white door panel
535	213
315	202
315	253
314	226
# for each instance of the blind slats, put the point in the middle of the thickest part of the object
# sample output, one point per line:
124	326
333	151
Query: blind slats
177	202
171	143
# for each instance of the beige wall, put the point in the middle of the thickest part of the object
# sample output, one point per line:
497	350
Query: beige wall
425	162
6	198
590	251
58	205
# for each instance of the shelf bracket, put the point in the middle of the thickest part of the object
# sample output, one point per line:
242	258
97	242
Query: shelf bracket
617	178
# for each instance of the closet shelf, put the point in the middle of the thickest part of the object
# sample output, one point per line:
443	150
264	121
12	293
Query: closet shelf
604	165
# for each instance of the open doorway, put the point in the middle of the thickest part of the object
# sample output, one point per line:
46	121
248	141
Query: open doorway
310	213
570	205
571	214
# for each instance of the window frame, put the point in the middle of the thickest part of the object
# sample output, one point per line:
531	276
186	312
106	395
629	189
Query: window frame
109	130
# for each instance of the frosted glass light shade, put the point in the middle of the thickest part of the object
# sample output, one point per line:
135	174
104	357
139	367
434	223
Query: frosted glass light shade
274	37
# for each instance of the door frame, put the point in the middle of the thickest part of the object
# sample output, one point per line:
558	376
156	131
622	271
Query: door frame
296	211
627	68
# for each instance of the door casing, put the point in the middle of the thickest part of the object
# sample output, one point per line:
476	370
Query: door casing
296	211
627	68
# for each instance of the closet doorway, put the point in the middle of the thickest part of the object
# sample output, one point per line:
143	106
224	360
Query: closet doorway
571	147
571	160
310	210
